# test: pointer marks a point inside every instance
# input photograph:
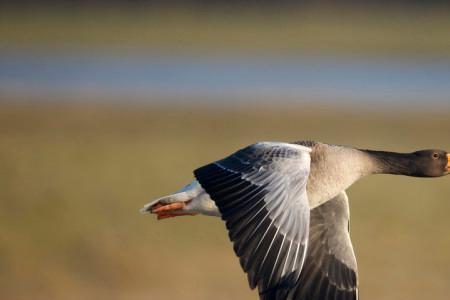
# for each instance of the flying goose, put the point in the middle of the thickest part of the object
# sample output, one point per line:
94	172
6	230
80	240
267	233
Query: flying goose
287	213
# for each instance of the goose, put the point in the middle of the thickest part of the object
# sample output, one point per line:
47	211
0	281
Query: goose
286	210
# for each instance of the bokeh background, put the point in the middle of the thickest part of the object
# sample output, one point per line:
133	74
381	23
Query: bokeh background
105	105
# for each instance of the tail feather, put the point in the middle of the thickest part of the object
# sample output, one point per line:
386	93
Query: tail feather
185	194
178	197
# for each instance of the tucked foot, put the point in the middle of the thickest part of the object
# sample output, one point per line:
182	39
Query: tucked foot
165	211
188	201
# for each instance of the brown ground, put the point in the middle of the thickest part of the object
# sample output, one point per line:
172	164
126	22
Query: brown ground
73	177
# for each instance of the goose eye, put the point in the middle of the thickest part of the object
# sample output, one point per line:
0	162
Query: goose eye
435	155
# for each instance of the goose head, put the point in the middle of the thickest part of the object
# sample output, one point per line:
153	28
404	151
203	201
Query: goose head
430	163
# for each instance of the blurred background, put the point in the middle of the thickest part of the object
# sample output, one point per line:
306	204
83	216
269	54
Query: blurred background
105	105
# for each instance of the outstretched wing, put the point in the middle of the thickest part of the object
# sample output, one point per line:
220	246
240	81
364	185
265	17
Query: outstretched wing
261	194
330	270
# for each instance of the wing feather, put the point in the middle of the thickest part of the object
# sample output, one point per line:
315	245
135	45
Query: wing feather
330	270
261	194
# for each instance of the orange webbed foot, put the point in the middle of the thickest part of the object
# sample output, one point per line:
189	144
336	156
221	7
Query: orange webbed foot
165	211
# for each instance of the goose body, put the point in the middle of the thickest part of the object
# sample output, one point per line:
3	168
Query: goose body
286	211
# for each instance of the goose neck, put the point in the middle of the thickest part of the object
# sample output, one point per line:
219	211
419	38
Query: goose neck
392	162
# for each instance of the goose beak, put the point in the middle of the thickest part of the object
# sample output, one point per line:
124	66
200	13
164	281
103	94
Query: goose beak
448	162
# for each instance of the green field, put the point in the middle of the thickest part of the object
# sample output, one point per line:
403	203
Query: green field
73	177
396	30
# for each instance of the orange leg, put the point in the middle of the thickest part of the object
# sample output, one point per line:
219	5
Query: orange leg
170	210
